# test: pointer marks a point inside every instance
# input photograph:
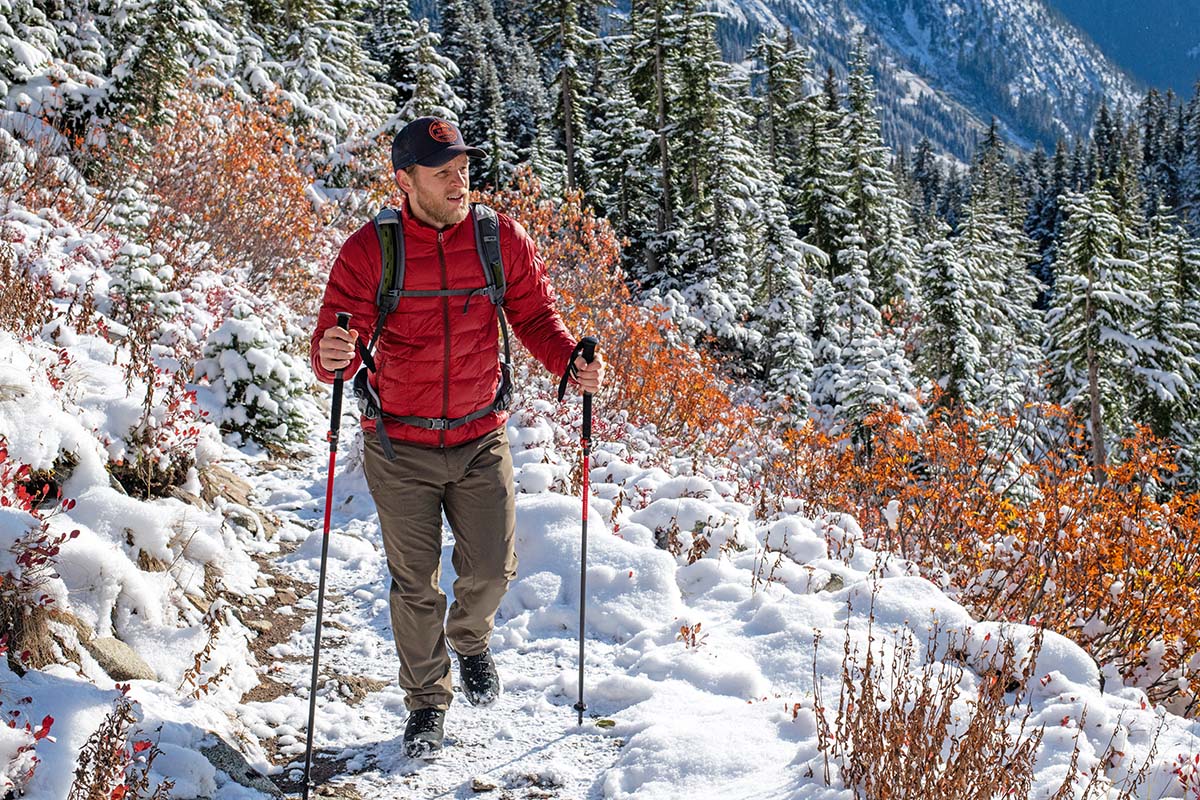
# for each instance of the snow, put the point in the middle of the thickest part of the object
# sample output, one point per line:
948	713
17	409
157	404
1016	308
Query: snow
706	661
676	708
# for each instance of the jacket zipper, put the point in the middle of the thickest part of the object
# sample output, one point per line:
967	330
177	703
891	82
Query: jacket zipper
446	337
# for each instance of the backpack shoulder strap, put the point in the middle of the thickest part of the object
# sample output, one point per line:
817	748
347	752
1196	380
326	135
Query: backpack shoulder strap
390	231
487	242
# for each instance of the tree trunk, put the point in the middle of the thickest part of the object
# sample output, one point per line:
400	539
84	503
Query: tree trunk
666	216
1099	454
568	116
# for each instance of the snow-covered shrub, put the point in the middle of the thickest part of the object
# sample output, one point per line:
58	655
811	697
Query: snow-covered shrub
112	766
899	732
160	447
18	743
140	279
254	382
28	550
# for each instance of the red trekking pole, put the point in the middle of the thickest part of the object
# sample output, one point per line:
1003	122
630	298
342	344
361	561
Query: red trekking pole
586	348
335	418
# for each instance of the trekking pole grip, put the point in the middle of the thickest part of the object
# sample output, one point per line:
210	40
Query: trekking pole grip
335	416
587	347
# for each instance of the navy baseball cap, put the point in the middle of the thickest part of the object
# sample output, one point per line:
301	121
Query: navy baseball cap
430	142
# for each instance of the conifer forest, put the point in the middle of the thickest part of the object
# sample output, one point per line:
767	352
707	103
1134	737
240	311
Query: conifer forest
757	203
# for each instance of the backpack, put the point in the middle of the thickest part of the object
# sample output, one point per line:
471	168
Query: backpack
390	231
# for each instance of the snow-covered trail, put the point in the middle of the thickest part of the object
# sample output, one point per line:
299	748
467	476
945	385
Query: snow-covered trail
524	739
529	742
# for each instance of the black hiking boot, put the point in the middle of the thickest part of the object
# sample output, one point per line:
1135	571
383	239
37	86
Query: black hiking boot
423	733
480	683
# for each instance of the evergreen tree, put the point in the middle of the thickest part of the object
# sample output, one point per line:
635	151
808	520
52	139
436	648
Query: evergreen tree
412	65
652	25
927	184
824	214
828	337
782	111
783	304
1166	363
326	74
470	39
873	199
153	42
1048	183
567	47
875	372
950	350
1093	316
626	188
1189	189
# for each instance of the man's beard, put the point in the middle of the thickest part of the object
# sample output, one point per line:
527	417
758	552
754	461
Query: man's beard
441	212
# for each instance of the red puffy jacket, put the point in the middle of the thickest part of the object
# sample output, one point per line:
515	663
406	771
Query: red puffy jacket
440	356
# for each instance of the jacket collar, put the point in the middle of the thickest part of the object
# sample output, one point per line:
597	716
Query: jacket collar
416	229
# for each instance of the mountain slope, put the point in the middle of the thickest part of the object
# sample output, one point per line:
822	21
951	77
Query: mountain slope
945	67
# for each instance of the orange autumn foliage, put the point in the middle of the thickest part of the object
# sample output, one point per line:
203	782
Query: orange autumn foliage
654	378
1025	539
232	175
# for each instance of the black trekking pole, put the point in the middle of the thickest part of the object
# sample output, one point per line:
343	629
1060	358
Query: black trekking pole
586	348
335	418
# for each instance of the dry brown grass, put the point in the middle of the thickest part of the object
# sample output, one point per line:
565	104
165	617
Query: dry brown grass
898	734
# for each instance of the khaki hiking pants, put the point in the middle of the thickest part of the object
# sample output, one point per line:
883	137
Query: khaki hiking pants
473	484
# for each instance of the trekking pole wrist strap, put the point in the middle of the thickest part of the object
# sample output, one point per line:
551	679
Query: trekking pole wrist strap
586	347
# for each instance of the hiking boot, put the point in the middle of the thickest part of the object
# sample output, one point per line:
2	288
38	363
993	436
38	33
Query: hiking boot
423	732
480	683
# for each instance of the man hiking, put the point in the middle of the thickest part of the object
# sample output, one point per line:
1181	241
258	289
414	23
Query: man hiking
435	392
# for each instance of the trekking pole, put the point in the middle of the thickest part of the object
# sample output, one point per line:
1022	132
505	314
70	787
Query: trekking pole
335	419
586	348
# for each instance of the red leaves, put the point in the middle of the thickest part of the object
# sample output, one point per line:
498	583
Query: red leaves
44	731
118	792
142	746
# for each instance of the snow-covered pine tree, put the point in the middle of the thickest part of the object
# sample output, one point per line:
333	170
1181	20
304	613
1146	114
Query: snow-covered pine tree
568	49
1091	321
469	33
782	303
1048	182
1187	435
926	177
412	65
873	199
624	151
781	110
828	337
823	212
718	279
1189	189
875	371
652	38
1166	365
154	43
327	78
949	351
995	254
1159	164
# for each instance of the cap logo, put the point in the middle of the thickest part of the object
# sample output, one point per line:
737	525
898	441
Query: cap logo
442	131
